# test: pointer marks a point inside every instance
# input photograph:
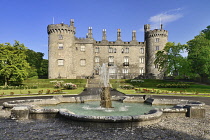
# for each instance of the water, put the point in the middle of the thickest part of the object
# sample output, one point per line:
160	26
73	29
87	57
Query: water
119	109
104	75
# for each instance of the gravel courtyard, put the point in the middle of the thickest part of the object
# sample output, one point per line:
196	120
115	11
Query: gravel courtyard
59	128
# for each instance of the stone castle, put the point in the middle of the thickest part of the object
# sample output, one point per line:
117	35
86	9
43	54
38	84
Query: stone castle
71	57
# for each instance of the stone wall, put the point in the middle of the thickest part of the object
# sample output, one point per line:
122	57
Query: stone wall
73	50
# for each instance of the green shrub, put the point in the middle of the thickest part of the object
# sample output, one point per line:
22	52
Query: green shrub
126	86
179	85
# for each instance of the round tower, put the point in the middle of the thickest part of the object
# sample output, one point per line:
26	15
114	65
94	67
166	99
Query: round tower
155	40
60	41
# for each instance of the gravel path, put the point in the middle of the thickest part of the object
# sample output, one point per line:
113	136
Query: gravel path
59	128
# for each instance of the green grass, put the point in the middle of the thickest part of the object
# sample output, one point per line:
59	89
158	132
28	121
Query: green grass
44	84
47	83
36	91
150	84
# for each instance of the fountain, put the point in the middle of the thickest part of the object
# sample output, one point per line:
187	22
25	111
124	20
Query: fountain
121	105
105	87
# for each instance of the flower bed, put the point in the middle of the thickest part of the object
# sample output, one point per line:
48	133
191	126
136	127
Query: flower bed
65	86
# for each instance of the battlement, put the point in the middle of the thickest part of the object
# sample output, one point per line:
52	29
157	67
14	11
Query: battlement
156	32
60	28
84	40
116	43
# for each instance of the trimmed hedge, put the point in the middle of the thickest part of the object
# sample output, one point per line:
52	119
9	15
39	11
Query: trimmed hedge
18	87
179	85
126	87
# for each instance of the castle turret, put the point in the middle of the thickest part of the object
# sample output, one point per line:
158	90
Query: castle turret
155	41
90	33
60	40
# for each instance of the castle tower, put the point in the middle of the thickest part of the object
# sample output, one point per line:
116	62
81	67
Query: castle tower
60	44
155	41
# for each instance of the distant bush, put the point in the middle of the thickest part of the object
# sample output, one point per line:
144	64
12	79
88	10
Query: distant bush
126	86
179	85
18	87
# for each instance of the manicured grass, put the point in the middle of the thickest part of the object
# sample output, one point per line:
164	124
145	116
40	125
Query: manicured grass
150	84
47	83
43	87
31	92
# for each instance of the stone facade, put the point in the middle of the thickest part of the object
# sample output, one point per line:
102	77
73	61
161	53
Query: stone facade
71	57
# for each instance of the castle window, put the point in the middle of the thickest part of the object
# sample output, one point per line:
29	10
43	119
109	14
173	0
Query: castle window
157	48
126	50
82	49
122	50
141	71
110	50
60	37
60	46
157	39
112	70
111	61
124	71
142	50
126	61
141	60
111	58
60	62
97	59
97	50
82	62
115	50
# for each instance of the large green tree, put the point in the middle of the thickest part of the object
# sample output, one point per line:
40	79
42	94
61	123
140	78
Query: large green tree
13	65
171	61
199	54
39	66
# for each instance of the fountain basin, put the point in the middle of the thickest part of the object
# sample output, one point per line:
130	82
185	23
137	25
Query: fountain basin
152	116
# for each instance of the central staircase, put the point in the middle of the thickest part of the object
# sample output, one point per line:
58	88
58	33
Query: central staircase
93	88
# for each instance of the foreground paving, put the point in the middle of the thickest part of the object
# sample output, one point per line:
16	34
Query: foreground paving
58	128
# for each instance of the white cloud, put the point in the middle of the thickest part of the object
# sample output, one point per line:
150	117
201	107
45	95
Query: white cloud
165	17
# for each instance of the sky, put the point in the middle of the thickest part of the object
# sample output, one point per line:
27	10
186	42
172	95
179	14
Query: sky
26	20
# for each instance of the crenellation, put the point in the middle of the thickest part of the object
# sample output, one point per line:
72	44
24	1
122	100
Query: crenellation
78	57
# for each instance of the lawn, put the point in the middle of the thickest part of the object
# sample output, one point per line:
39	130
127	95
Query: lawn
32	87
150	86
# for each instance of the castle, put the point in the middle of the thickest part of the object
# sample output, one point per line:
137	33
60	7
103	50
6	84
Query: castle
71	57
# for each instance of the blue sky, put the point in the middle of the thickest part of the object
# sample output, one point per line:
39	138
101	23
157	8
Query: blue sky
27	20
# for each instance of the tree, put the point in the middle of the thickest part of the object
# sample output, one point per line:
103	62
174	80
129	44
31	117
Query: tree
199	54
44	69
171	61
13	64
39	66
